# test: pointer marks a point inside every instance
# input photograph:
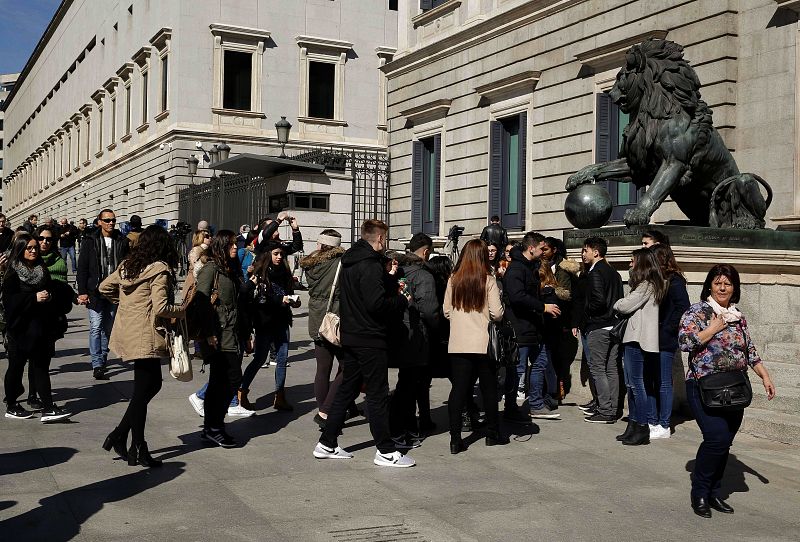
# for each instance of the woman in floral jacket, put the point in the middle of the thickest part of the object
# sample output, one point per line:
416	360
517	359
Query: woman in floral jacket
714	333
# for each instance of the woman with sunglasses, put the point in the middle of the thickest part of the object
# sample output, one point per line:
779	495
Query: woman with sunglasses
56	265
32	306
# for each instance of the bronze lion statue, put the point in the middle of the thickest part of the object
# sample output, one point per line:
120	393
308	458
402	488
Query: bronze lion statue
671	146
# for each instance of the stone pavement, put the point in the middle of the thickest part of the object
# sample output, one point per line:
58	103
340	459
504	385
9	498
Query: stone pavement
560	480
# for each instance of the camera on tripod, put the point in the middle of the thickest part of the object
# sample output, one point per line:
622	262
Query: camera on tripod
182	229
455	232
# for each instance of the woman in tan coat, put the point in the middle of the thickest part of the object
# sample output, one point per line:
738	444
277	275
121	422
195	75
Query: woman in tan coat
143	286
471	301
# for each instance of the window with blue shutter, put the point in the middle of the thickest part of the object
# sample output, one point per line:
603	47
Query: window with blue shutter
507	170
425	185
611	121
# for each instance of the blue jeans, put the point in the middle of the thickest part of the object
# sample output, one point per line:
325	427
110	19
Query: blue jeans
264	339
101	320
660	407
641	398
542	373
719	429
69	251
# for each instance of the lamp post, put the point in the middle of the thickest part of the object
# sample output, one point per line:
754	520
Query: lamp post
282	127
192	163
224	151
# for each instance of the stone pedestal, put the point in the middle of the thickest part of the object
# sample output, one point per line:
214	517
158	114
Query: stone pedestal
770	300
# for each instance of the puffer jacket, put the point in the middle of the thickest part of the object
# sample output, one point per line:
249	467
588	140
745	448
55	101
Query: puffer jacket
320	268
138	329
411	341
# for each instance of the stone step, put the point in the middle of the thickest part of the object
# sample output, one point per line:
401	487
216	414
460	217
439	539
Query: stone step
787	398
781	352
772	425
784	375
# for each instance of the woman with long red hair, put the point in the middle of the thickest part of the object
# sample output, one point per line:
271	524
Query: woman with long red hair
471	301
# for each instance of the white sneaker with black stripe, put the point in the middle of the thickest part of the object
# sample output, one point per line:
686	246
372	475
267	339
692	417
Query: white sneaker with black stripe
394	459
324	452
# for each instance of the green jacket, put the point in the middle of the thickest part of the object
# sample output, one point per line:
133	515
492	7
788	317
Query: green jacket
56	266
320	268
226	307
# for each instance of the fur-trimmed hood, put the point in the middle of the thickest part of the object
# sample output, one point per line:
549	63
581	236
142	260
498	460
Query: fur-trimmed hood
570	266
563	294
318	257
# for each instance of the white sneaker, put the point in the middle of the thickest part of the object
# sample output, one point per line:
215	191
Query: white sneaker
323	452
657	431
240	411
394	459
521	395
198	404
265	365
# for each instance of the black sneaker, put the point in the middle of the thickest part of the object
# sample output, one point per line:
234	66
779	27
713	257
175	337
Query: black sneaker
35	404
218	437
99	373
600	418
401	443
590	412
414	439
588	406
17	412
513	415
54	414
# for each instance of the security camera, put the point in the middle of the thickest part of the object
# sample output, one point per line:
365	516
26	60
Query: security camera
161	147
198	145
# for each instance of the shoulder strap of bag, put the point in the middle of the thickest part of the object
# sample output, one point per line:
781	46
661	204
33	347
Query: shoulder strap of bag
333	286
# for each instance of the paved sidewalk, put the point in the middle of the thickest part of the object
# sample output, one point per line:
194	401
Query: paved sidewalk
561	480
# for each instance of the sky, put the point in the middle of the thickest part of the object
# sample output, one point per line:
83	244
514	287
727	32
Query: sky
22	23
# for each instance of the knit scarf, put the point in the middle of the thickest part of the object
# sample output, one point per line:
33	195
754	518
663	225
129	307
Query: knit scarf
34	276
730	315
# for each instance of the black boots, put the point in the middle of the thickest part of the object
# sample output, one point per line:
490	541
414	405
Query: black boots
700	507
113	440
640	435
457	446
719	505
628	431
139	455
496	438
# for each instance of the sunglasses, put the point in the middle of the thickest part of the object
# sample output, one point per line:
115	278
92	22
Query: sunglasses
47	239
108	220
32	248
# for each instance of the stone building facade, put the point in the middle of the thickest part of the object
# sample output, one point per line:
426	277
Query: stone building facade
118	95
494	103
7	82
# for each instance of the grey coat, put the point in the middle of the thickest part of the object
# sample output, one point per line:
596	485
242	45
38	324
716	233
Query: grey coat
320	268
642	325
420	319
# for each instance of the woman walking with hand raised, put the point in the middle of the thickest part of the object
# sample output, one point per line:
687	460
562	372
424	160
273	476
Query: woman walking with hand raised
144	288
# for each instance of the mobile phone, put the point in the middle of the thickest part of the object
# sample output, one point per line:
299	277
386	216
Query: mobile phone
293	298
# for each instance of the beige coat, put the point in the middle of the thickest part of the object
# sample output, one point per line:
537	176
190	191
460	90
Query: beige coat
642	325
469	331
141	301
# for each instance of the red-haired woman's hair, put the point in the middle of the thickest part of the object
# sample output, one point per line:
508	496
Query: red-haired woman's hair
468	282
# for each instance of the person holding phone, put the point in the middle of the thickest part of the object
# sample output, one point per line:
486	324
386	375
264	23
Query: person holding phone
269	298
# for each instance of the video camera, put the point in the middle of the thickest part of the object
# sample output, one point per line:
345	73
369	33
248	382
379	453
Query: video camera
182	229
455	232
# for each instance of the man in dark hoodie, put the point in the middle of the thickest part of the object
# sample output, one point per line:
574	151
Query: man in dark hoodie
526	311
369	299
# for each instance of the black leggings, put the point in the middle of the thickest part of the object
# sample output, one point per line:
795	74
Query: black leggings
146	384
462	367
224	380
324	389
38	371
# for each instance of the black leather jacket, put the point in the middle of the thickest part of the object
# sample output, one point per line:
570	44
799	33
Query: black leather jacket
603	289
495	234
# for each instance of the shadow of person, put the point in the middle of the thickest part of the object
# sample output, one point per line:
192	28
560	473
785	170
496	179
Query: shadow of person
28	460
59	517
733	481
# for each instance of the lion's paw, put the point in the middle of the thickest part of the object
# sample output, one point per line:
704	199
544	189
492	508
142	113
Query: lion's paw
637	217
584	176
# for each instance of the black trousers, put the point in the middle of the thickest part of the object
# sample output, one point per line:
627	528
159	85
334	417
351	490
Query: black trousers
146	384
38	361
324	389
224	379
403	407
461	370
369	366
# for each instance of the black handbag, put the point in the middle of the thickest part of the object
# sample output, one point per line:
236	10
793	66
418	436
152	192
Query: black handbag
725	392
617	332
503	348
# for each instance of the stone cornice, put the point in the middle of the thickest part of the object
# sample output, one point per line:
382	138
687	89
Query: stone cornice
612	55
428	111
517	83
76	118
141	56
313	42
110	84
85	109
124	72
239	32
385	51
497	25
160	38
97	96
432	14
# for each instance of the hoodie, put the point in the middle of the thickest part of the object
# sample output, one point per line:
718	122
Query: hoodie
138	330
368	298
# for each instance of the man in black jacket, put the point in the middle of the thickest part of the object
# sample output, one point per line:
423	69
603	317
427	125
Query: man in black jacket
603	289
101	252
6	234
526	311
369	299
495	234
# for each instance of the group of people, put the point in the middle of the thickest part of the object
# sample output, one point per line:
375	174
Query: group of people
372	309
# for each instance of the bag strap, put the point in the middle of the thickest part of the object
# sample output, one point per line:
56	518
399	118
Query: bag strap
333	286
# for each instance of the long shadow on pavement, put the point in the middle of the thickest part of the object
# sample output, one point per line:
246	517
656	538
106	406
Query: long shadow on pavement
734	480
58	518
39	458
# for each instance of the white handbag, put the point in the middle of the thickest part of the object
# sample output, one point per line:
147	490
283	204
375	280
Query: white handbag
180	365
329	329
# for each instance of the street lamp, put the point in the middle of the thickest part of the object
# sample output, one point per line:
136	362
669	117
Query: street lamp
224	151
282	127
192	163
